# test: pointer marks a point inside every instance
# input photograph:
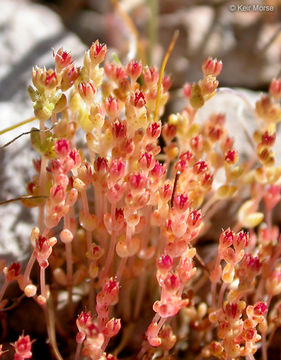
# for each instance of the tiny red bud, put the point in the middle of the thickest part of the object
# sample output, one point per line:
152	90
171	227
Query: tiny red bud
226	238
231	157
12	271
212	67
137	181
200	167
172	282
69	75
275	88
268	139
112	107
165	263
196	143
119	129
166	82
146	161
154	130
62	59
134	69
260	309
169	131
101	165
158	171
87	91
187	90
150	75
62	147
117	169
97	52
194	219
137	99
181	202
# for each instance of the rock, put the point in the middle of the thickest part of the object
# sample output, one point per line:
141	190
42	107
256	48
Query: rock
241	40
237	105
29	32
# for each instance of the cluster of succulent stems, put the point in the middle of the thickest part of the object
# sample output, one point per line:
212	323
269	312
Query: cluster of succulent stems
120	215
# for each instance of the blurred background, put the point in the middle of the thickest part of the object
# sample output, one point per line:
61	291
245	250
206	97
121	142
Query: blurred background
248	41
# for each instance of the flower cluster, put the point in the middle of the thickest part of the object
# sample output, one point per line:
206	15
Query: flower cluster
125	202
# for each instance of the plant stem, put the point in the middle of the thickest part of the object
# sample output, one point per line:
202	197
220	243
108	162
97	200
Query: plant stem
78	350
110	253
28	268
140	294
43	282
69	264
17	125
3	289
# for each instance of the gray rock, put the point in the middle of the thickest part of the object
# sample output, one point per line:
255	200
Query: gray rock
29	32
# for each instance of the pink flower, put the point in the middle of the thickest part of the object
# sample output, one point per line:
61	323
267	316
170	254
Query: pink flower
211	67
23	348
62	59
134	69
87	91
12	271
97	52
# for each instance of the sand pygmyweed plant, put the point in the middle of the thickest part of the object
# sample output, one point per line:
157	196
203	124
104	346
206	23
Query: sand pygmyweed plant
120	214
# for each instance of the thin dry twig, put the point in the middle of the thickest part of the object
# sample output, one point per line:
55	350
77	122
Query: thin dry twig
164	63
24	197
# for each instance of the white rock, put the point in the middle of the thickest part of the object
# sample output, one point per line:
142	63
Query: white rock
28	34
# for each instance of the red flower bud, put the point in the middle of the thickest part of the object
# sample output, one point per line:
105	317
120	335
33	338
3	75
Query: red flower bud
87	91
268	139
62	147
165	192
187	90
272	196
154	130
194	219
57	193
112	107
275	88
240	241
101	165
172	282
181	202
231	157
196	143
150	75
134	69
166	83
119	129
165	263
112	327
23	348
260	308
137	99
69	75
158	171
117	169
169	132
226	238
200	167
212	67
62	59
97	52
137	181
146	161
12	271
